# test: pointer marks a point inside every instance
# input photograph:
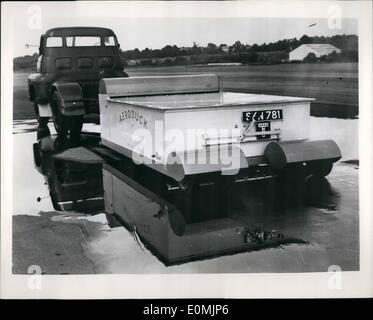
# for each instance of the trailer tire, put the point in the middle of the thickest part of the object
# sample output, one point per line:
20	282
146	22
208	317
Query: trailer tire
66	126
43	121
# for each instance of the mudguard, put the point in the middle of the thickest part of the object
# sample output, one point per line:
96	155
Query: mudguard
281	154
38	88
227	159
71	96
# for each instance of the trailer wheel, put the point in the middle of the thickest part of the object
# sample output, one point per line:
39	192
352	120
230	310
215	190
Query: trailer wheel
320	168
66	126
43	121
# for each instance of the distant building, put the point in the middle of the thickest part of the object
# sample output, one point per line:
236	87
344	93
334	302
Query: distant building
318	49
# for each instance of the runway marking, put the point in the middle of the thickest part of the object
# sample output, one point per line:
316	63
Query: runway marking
31	125
24	126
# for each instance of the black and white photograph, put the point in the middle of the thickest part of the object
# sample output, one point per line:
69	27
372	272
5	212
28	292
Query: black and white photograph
218	148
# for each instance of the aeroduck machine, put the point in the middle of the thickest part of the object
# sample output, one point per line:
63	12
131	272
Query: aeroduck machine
180	146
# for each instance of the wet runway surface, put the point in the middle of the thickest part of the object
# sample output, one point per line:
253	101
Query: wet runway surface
74	242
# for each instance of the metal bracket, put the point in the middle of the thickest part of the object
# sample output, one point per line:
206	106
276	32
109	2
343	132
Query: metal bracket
244	137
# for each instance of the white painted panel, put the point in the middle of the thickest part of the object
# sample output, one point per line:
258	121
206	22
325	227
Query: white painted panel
137	86
124	125
294	126
121	121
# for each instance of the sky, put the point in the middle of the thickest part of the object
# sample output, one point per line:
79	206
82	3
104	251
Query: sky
139	28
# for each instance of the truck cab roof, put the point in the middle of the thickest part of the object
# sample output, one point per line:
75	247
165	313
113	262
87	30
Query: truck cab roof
78	31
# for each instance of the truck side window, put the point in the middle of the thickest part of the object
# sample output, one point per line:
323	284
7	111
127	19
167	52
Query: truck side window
54	42
109	41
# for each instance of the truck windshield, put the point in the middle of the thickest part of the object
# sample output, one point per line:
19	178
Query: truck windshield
83	41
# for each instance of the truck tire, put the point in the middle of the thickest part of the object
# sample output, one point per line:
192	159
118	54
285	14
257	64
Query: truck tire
43	121
66	126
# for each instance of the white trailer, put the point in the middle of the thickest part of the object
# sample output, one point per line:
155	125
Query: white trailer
204	119
191	139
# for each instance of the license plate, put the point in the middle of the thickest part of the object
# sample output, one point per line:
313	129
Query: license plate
263	127
262	115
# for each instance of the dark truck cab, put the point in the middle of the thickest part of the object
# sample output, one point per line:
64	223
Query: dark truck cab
71	62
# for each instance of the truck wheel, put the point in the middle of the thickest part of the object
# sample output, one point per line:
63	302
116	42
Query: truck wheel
43	121
66	126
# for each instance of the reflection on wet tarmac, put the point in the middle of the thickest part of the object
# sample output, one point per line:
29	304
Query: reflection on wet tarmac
224	215
73	185
321	214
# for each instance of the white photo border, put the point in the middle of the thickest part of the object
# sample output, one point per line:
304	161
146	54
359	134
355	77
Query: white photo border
251	285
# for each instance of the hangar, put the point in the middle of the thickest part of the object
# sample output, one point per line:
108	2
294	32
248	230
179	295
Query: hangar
319	50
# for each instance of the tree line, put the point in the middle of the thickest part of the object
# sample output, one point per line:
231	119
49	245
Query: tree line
343	42
265	53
